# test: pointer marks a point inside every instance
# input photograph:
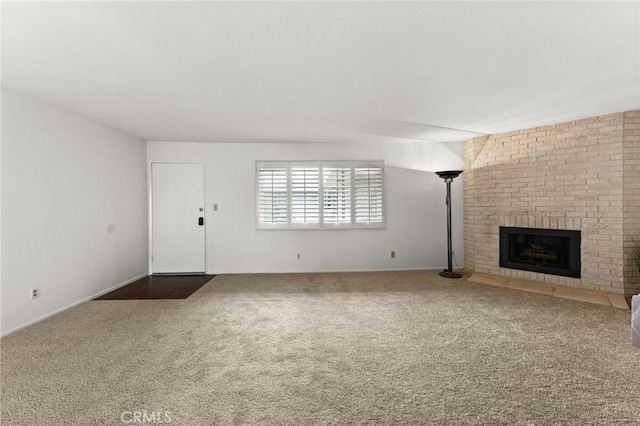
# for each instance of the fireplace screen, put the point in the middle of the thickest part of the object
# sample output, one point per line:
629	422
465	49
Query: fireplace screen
548	251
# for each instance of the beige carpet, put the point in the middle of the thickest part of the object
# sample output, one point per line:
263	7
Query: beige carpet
390	348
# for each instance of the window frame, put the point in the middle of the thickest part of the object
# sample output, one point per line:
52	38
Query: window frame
338	165
271	164
304	164
374	225
321	224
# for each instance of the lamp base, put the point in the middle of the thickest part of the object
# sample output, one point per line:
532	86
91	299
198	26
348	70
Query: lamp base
450	274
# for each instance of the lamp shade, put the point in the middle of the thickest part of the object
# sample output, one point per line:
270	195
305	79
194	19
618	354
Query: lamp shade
449	174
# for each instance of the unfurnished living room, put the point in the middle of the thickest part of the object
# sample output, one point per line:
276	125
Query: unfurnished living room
320	213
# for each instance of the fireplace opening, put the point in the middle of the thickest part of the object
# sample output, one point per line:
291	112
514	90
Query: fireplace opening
549	251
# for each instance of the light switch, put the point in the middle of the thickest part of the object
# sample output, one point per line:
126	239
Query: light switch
215	207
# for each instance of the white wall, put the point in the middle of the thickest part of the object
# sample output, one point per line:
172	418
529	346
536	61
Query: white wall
64	180
415	203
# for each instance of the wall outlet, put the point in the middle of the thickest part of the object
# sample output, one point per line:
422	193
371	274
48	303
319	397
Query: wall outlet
393	254
35	293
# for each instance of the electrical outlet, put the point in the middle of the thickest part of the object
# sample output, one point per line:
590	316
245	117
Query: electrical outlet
393	254
35	293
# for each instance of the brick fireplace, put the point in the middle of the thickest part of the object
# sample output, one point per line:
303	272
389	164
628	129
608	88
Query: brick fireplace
582	175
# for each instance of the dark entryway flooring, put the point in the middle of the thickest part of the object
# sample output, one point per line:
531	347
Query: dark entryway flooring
159	287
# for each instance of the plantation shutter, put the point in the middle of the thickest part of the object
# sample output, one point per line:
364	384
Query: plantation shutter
336	184
320	195
368	188
305	195
272	196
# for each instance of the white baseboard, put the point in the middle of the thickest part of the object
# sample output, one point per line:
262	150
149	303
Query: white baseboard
335	271
57	311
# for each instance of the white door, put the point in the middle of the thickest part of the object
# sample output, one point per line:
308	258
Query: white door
178	236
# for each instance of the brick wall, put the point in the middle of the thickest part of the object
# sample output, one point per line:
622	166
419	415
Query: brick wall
631	191
580	175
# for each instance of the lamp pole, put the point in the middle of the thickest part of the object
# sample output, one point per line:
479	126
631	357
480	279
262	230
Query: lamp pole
448	177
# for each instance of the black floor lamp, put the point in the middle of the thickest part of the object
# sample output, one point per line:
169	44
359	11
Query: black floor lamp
448	177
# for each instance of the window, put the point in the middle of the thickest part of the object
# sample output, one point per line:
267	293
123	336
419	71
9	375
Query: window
368	195
336	195
272	195
320	195
305	196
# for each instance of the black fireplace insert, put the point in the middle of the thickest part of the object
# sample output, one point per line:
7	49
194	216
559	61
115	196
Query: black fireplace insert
549	251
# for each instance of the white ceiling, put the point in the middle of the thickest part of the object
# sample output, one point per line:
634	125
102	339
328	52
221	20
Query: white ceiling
325	71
